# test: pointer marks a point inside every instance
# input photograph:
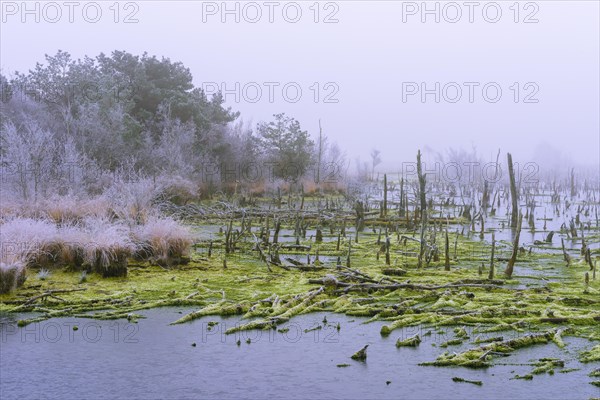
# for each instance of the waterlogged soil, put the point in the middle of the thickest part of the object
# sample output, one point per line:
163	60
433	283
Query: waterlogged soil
375	303
153	359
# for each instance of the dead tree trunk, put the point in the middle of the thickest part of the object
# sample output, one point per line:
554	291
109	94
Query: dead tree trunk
588	258
513	258
573	190
360	216
447	248
276	233
485	197
228	238
491	274
566	255
349	252
387	250
319	236
319	155
513	193
401	206
423	200
384	195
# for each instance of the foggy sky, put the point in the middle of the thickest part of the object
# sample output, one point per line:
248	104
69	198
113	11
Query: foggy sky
367	55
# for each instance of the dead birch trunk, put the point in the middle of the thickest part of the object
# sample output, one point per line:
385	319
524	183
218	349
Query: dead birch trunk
423	202
513	193
447	248
513	258
385	195
491	274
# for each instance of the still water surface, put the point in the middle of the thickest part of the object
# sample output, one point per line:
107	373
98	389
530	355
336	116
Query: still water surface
151	359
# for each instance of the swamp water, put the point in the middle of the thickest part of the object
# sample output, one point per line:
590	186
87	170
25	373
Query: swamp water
152	359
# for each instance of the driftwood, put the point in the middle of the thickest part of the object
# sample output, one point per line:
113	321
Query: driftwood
349	287
360	355
263	257
295	247
394	271
303	267
49	293
555	320
356	274
404	237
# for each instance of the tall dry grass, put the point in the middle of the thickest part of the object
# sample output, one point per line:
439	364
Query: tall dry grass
96	234
91	243
164	240
12	274
108	246
23	242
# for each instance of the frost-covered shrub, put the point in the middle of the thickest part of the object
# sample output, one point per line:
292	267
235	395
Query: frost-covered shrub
177	190
133	201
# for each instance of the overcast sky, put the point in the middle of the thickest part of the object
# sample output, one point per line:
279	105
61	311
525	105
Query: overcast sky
372	61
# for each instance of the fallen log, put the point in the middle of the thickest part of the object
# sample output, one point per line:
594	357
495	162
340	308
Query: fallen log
49	293
479	357
394	271
295	247
348	287
303	267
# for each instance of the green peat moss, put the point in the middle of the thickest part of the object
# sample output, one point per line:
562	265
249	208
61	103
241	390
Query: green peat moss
266	299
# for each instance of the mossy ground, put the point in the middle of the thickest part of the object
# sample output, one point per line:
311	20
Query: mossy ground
266	298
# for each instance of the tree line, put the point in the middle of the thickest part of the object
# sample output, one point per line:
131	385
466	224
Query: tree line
69	125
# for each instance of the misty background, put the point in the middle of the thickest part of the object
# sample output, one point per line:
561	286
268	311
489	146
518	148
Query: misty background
367	54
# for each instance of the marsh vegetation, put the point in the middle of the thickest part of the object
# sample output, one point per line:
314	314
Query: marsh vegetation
507	264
